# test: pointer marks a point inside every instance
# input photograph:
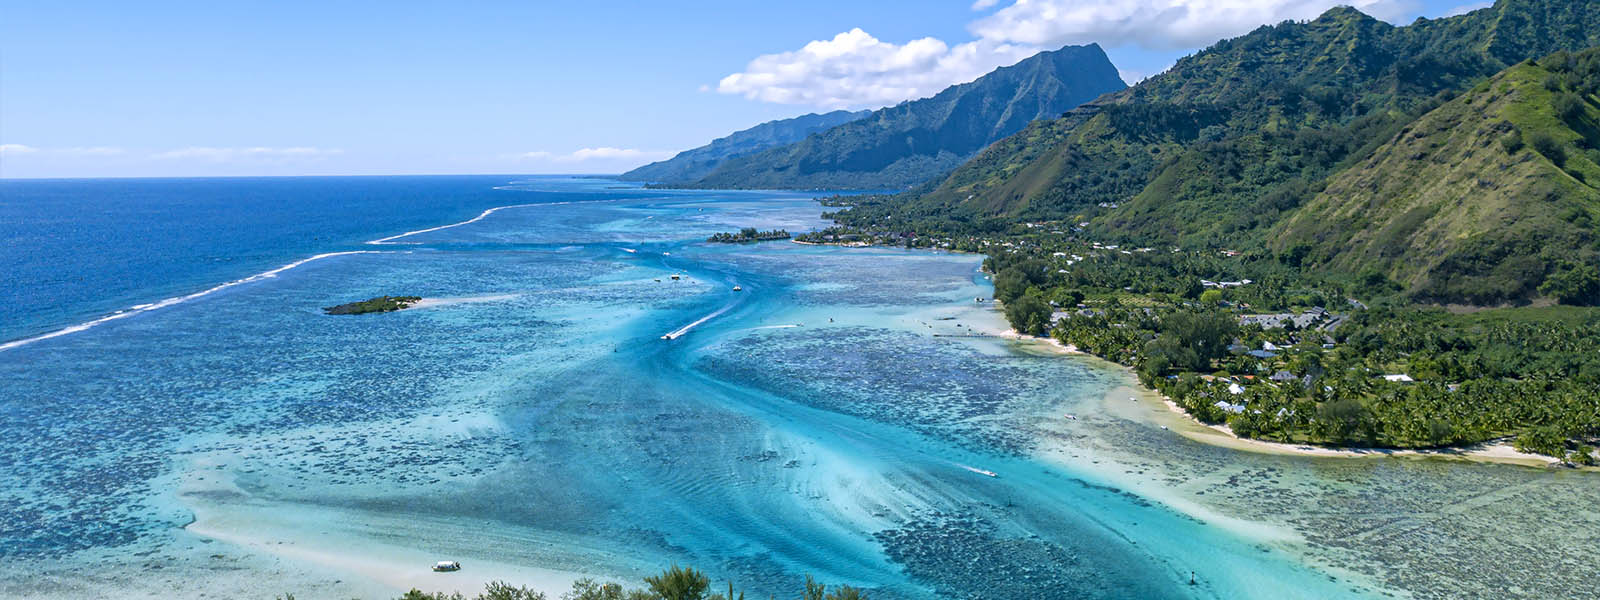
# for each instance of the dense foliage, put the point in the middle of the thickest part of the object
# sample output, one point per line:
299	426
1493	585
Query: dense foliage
1287	357
749	234
1232	143
676	583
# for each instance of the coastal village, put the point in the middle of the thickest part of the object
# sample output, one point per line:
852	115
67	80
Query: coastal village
1270	353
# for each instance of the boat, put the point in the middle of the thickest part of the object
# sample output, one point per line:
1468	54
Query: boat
675	276
738	289
446	566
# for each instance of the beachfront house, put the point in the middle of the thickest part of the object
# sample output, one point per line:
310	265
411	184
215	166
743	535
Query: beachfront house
1229	407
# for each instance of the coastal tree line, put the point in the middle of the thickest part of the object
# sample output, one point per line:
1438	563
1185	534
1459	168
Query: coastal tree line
1529	374
675	583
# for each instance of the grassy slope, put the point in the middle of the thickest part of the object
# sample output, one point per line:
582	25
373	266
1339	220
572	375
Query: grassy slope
1445	210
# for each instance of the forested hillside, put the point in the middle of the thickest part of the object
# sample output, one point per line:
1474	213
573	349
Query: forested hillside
1483	199
915	141
695	163
1221	149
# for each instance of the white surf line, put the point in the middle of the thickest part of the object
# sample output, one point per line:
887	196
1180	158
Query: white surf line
685	329
480	217
390	240
144	308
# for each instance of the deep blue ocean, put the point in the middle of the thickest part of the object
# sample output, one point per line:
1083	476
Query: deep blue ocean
589	389
73	250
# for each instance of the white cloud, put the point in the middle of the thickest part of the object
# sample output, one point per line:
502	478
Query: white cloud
69	151
1156	24
250	153
855	69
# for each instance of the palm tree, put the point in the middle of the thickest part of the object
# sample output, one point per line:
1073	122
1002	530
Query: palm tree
814	590
680	584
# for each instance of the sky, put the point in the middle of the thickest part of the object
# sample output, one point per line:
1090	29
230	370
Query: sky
156	89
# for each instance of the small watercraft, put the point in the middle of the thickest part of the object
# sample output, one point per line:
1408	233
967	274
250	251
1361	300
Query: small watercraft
446	566
738	289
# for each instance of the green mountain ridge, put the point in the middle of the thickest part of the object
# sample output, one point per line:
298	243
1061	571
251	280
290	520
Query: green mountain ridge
1460	204
906	144
1230	142
695	163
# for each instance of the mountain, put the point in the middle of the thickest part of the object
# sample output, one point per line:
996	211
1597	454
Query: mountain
914	141
1220	149
1480	199
691	165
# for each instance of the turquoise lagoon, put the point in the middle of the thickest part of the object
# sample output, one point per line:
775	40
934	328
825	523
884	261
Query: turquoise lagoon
850	414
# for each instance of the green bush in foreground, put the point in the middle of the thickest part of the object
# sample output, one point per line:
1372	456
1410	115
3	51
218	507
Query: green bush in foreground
676	583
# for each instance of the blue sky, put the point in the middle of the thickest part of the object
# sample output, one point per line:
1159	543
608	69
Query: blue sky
92	89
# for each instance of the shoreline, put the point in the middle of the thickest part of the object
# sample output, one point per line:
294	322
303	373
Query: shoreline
1179	421
1494	451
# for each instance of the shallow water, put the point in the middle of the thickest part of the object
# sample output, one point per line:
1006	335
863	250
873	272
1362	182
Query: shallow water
838	417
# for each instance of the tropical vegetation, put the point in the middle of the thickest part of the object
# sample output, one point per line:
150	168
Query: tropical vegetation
675	583
373	305
749	234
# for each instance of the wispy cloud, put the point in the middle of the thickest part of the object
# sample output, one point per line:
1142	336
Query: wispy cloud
596	154
214	154
67	151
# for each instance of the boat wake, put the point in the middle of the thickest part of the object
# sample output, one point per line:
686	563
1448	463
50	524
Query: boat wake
686	328
979	471
144	308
